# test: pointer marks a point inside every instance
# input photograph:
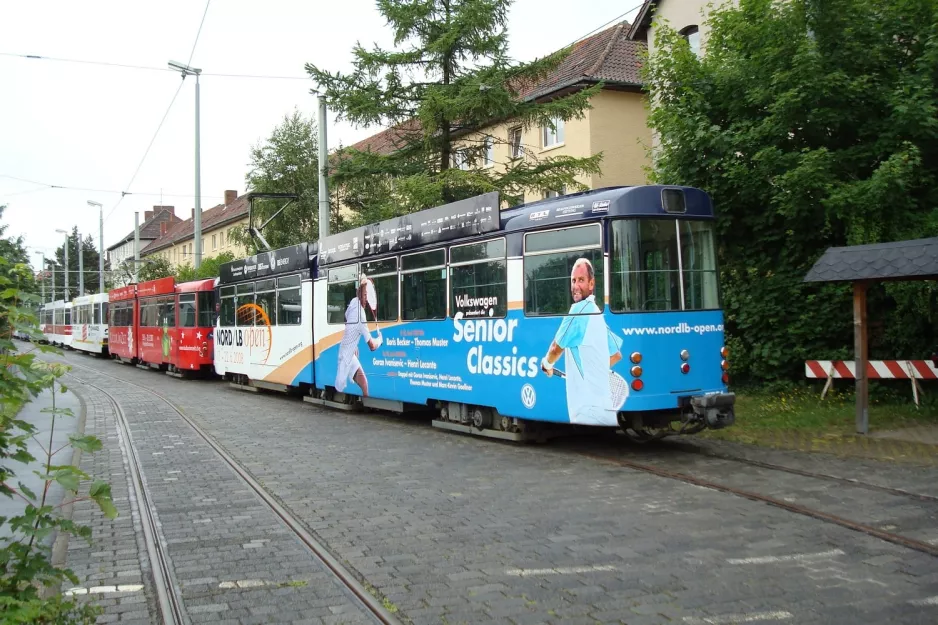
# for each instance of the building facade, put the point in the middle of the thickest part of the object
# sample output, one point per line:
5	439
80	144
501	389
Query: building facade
121	254
688	17
177	244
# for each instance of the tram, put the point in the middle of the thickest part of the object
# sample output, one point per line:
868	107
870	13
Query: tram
90	323
264	334
56	322
164	325
598	308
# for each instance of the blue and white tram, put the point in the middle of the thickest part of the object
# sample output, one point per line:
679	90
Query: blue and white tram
264	333
598	308
90	323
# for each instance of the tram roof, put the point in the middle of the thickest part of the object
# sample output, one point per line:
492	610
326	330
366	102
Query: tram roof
638	201
204	284
94	298
273	263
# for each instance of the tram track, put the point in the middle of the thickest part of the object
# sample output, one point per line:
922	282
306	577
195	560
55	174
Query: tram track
169	598
644	467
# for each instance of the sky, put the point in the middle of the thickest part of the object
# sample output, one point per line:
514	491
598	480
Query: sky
88	128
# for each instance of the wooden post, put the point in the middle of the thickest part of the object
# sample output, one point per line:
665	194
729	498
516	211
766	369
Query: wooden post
859	347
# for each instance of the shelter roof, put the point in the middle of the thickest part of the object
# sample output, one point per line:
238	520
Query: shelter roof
900	260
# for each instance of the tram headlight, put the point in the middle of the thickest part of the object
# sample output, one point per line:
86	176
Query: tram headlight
636	358
725	365
685	354
725	352
636	371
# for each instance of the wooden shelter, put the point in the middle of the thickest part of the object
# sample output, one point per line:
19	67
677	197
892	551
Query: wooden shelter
866	264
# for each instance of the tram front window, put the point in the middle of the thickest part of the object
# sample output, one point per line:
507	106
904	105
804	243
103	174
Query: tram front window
663	265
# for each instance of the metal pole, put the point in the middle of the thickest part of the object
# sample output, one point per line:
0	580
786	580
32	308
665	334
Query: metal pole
42	282
136	244
323	172
81	265
101	249
67	267
198	183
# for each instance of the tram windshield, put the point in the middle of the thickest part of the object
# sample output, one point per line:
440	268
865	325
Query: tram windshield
663	265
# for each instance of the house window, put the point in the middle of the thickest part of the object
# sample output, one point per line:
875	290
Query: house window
553	135
489	152
461	160
222	236
549	193
692	34
514	137
214	242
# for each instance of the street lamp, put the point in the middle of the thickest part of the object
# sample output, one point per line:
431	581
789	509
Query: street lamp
185	70
65	232
100	244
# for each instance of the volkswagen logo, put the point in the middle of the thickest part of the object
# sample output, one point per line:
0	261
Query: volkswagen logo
528	396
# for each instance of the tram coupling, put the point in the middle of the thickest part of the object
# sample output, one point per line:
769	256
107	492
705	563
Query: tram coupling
716	409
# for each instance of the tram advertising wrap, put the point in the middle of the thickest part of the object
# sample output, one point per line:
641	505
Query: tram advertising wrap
570	368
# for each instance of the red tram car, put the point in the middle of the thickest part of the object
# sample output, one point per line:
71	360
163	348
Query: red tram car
164	325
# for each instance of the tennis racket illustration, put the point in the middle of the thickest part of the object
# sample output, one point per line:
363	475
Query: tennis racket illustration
618	389
371	297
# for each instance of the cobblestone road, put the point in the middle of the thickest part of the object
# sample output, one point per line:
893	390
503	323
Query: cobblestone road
453	529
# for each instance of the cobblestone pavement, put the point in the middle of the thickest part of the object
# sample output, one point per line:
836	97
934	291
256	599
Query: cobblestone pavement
234	559
453	529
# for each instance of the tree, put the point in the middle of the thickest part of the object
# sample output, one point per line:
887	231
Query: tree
13	249
90	257
286	162
811	124
209	268
151	269
448	77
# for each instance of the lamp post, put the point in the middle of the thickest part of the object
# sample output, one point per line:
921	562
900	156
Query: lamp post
185	70
81	265
65	232
100	244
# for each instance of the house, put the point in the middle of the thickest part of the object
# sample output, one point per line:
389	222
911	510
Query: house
154	222
688	17
176	242
616	125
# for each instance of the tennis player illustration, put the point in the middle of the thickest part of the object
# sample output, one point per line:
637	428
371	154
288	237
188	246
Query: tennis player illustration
356	328
594	392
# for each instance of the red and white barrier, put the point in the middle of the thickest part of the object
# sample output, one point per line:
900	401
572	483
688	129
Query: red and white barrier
875	369
913	370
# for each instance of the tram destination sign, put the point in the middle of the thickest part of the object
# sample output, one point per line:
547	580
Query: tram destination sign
284	260
465	218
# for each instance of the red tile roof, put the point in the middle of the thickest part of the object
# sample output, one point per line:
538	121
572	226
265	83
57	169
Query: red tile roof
607	56
150	229
212	218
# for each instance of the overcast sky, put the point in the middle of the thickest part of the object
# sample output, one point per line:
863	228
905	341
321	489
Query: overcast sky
88	126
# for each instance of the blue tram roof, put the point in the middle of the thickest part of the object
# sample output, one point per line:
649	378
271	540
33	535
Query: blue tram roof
638	201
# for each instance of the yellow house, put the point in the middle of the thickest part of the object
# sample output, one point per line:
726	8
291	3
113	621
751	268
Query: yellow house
176	243
616	125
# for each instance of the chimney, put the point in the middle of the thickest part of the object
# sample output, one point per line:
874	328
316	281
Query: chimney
147	215
230	197
163	226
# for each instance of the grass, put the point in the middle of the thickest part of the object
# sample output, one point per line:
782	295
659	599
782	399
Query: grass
762	415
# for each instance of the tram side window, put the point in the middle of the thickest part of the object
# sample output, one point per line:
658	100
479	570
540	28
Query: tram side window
266	300
244	312
698	260
384	275
145	309
68	316
206	309
105	309
168	311
549	261
228	306
289	301
479	279
423	285
187	310
342	288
